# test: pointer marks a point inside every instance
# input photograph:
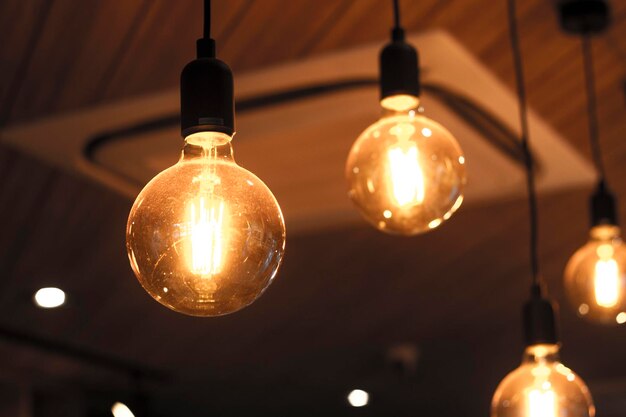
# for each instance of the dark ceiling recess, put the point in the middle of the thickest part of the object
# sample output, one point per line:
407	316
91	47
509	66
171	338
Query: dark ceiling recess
498	135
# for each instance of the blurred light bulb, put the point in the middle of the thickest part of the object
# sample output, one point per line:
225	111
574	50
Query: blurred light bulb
595	277
542	387
49	297
358	398
406	173
121	410
205	237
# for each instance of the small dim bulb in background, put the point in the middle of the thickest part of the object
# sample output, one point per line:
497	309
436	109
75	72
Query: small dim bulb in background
406	172
205	237
119	409
595	277
358	398
542	387
49	297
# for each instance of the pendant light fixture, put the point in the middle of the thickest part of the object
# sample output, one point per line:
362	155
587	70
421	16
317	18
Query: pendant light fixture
406	172
595	276
205	237
542	386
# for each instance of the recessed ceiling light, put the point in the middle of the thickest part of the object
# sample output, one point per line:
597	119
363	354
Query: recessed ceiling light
358	398
49	297
121	410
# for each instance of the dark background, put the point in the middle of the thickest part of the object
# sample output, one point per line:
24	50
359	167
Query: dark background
343	298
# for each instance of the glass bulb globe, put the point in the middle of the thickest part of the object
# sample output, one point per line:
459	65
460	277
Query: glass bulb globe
406	172
205	237
542	387
595	277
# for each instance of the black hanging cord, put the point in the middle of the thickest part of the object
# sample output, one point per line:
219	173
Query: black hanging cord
523	116
592	112
397	33
205	46
396	14
207	19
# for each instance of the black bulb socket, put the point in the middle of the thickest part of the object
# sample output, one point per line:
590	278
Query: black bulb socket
584	17
539	321
603	206
207	101
399	68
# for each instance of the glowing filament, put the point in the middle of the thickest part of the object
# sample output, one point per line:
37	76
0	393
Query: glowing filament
606	278
407	179
405	173
542	403
206	234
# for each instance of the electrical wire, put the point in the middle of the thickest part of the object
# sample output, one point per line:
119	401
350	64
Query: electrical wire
397	33
396	15
592	113
207	19
523	116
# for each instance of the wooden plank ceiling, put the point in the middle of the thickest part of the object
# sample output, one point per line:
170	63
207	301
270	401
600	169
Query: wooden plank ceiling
325	322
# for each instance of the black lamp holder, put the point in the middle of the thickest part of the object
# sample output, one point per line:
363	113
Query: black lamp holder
539	320
583	17
206	89
603	207
399	68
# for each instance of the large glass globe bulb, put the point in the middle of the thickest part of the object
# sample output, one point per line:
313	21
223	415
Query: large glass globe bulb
542	387
205	237
406	173
595	277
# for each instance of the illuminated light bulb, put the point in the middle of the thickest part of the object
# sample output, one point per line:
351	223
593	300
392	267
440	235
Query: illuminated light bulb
542	387
358	398
121	410
595	277
406	172
49	297
205	237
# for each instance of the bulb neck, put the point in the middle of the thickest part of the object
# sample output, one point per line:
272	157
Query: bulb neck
605	233
400	105
212	146
541	353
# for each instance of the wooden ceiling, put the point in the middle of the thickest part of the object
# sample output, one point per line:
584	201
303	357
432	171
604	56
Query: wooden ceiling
342	297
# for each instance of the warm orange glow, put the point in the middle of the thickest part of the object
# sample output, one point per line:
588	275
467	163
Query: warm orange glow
542	403
405	175
542	387
595	276
207	235
606	278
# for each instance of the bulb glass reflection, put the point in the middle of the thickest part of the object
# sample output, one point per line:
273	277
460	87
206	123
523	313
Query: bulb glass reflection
595	277
205	237
406	172
542	387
